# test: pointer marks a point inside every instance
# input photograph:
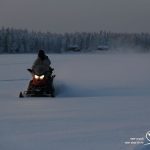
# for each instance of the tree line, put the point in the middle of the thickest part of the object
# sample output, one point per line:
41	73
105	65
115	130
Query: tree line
24	41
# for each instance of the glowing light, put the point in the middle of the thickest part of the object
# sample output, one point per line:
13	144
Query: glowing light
42	77
36	77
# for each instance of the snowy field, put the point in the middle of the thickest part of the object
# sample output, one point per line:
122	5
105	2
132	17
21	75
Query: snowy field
102	103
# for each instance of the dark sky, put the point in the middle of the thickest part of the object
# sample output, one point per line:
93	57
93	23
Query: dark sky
76	15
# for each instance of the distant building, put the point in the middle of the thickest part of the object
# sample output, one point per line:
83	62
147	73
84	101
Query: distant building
74	48
103	47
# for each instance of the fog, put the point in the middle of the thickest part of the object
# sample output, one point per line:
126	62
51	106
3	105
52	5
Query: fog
76	15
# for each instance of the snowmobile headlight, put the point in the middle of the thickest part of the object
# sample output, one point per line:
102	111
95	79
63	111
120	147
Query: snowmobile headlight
36	77
42	77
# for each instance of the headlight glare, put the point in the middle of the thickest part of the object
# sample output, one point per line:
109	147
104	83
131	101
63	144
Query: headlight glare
36	77
42	77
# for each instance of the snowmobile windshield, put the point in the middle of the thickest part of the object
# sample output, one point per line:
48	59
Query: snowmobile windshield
40	70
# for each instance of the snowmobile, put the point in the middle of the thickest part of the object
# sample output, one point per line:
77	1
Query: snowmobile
41	85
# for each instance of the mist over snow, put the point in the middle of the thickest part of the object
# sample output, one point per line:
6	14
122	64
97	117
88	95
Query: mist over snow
102	101
24	41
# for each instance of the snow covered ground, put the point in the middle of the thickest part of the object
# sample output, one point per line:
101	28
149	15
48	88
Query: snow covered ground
102	103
